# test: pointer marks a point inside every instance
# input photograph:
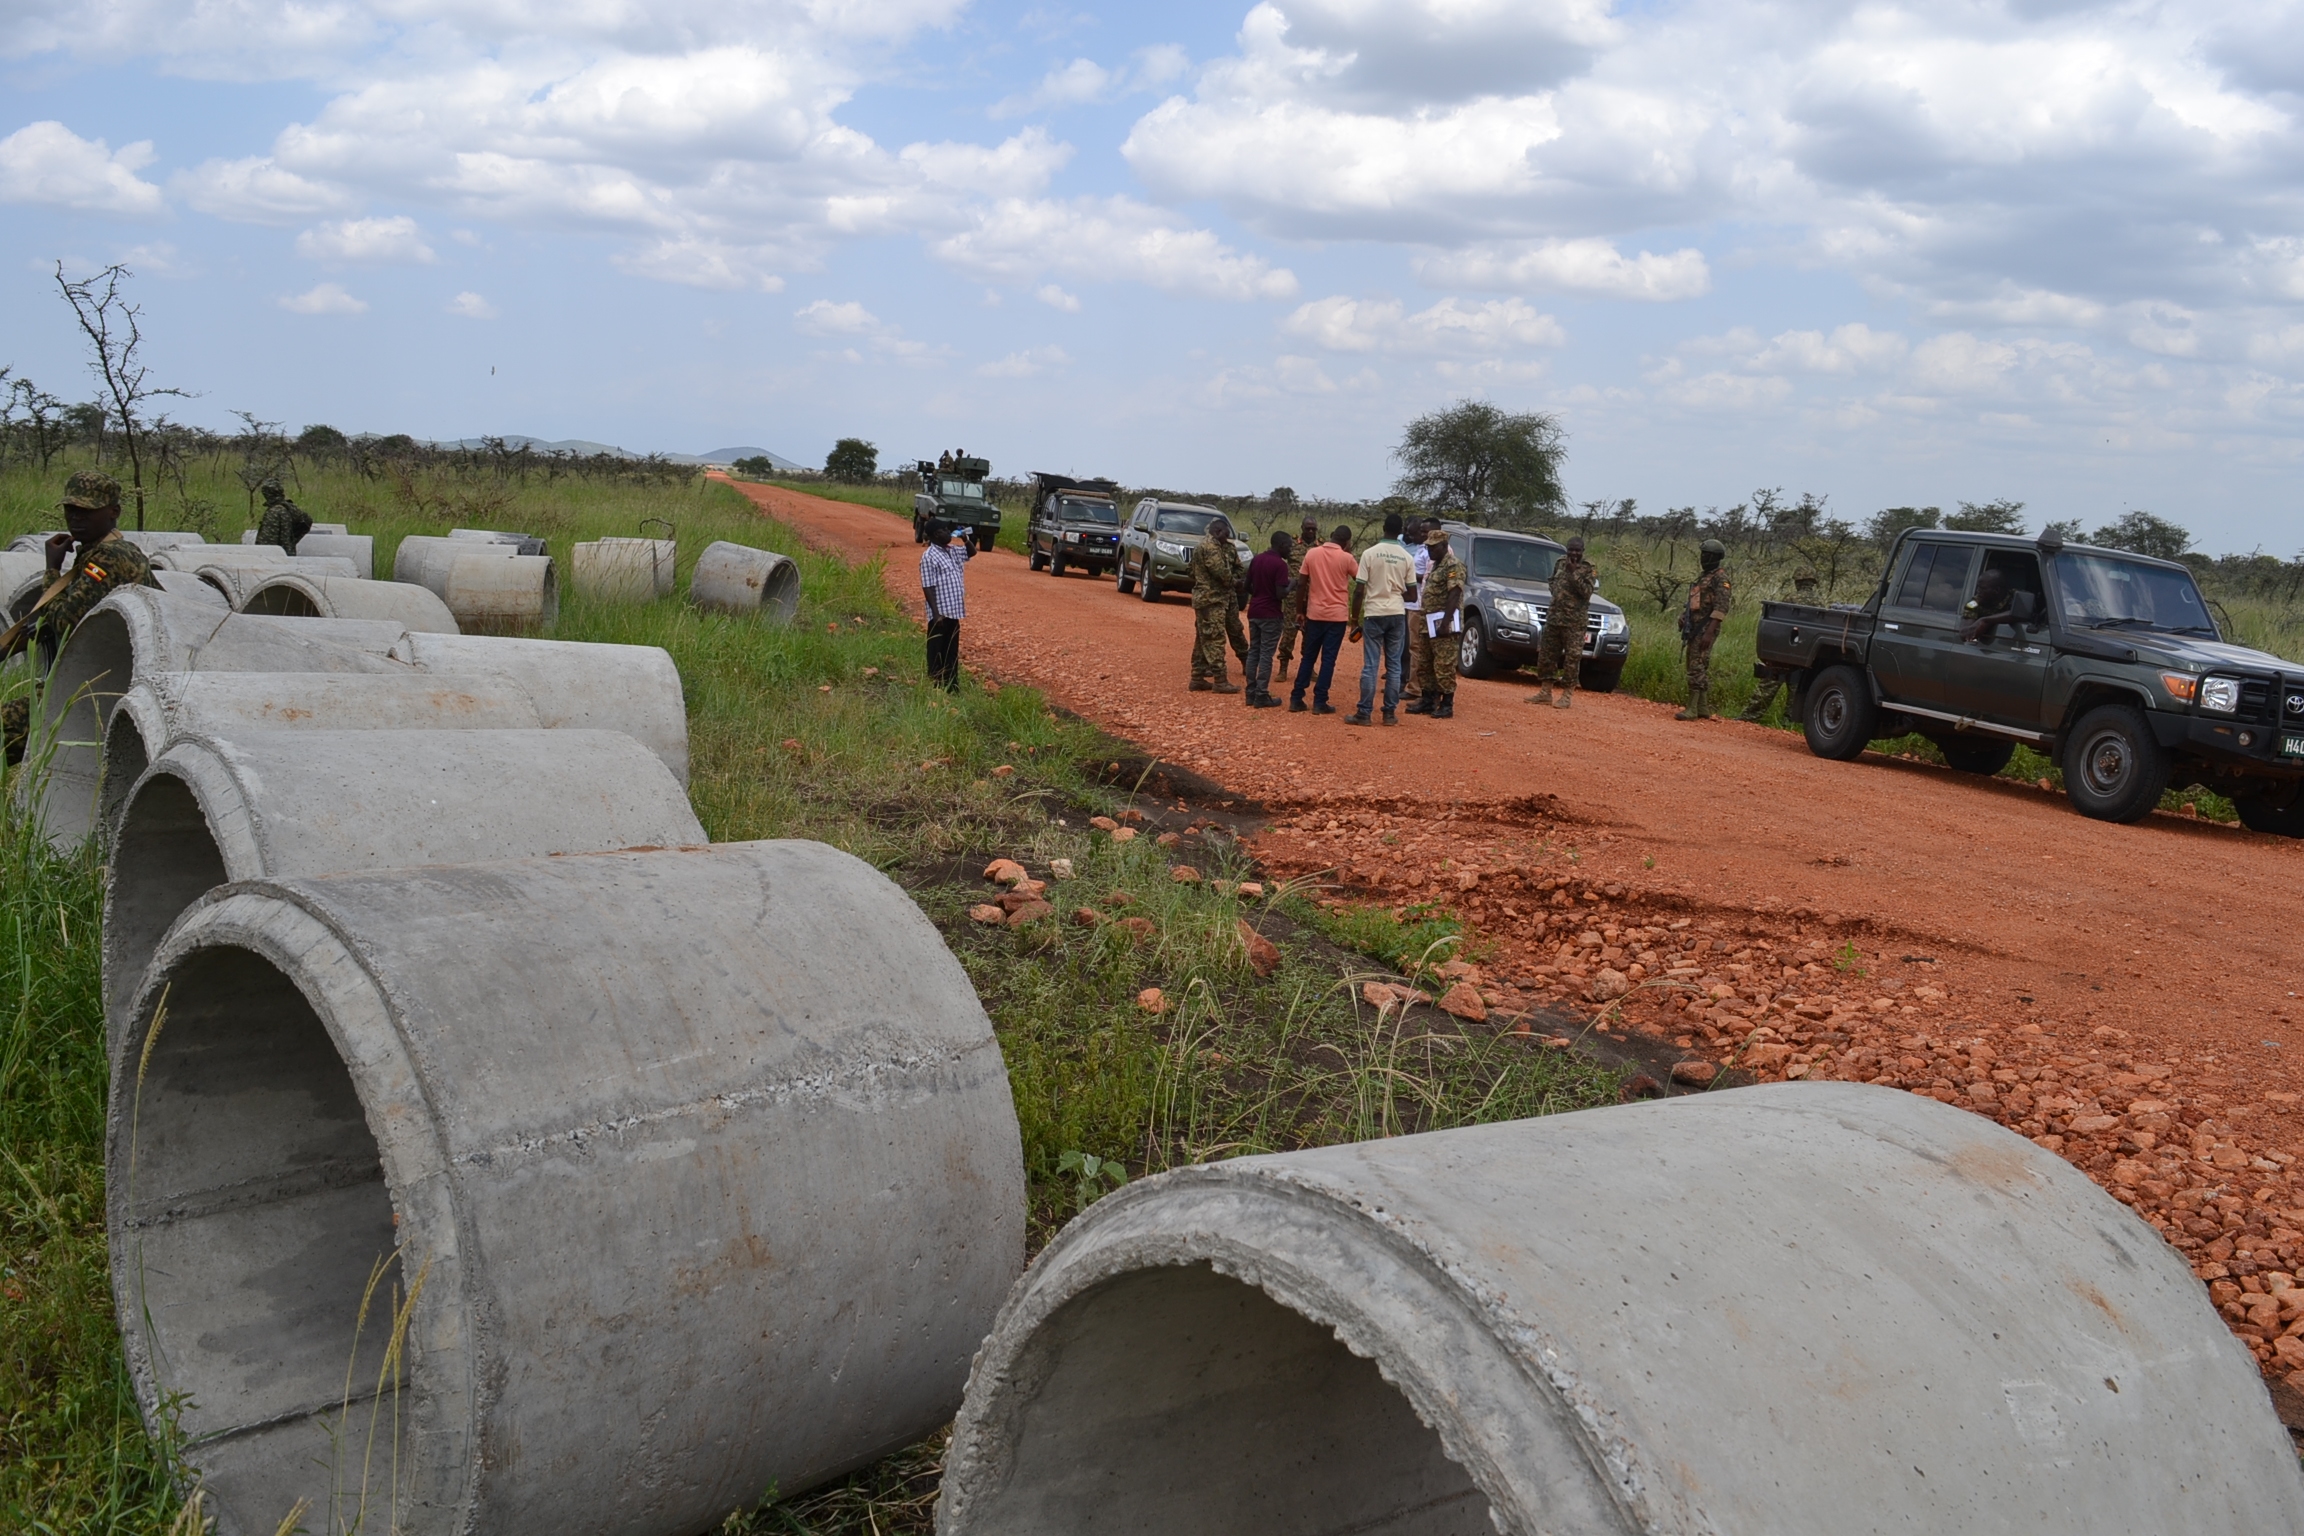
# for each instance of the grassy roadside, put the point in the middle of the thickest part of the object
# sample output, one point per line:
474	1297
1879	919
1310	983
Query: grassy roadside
827	730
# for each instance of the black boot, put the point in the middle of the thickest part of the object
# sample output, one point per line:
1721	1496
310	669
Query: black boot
1446	708
1422	706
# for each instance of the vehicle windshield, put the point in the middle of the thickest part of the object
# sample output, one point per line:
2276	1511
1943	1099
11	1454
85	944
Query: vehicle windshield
1183	522
1513	559
2107	592
1087	511
967	488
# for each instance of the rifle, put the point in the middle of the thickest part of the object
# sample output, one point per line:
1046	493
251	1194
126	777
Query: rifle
14	637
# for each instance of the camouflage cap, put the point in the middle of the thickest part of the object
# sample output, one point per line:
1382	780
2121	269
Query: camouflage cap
1804	577
91	491
1437	536
1712	547
271	490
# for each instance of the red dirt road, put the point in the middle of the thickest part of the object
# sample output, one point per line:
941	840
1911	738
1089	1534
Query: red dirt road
2144	976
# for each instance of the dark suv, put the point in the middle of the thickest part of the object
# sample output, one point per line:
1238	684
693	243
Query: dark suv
1075	523
1504	608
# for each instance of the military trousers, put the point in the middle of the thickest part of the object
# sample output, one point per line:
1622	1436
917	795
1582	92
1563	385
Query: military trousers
1419	655
1441	653
1699	657
1213	627
1290	623
1560	651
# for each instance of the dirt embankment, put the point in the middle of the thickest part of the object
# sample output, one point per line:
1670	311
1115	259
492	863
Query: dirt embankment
2124	995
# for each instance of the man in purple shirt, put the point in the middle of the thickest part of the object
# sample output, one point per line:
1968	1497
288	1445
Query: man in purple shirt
1268	579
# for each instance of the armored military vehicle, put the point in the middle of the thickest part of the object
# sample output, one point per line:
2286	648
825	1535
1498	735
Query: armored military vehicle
953	490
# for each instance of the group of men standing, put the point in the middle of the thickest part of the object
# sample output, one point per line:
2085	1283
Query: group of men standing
1402	600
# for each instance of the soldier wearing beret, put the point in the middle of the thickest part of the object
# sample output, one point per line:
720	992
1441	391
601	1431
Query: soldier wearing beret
85	565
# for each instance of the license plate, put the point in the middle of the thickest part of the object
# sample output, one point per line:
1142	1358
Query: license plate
2292	746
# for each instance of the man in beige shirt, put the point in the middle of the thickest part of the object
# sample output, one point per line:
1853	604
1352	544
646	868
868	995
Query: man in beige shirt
1380	612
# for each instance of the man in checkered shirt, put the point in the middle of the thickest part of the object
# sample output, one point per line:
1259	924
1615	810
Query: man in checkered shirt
943	582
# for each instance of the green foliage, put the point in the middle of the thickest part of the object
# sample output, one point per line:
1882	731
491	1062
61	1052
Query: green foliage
1093	1174
1883	526
852	461
2142	533
1480	462
1988	517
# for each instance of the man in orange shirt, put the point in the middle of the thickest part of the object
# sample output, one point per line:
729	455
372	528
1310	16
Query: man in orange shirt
1327	578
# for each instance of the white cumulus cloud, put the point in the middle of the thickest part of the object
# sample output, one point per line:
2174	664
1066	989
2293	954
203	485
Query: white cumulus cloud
1574	266
255	190
394	241
1342	324
1109	239
1023	365
471	306
46	162
324	299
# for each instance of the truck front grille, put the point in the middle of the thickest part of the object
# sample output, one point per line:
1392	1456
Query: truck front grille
2255	701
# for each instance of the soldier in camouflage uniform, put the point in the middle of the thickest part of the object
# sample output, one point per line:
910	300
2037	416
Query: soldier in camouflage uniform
1771	684
1560	654
1709	598
1292	606
1216	577
284	523
1443	600
104	562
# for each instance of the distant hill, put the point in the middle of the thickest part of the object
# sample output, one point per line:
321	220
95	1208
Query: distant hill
578	445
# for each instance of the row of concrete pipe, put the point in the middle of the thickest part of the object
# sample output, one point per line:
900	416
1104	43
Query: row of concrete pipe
699	1175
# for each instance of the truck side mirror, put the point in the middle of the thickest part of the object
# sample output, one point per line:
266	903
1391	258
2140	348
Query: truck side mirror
2024	608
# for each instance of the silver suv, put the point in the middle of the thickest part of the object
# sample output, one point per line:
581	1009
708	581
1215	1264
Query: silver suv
1505	604
1156	546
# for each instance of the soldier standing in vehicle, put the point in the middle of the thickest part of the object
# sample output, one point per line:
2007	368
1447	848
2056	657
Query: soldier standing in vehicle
1215	568
1292	606
100	563
1771	684
1709	598
1442	621
1560	653
284	523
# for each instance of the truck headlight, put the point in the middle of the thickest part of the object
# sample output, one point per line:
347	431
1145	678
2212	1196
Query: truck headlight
1167	548
2220	694
1071	538
1514	613
1612	624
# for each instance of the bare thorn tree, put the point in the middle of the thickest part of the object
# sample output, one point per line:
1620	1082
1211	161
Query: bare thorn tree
112	326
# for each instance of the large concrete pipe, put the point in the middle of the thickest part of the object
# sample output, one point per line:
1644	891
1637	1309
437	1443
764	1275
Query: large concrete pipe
23	576
425	559
238	580
697	1211
575	684
165	705
623	570
295	595
190	557
139	630
487	593
214	808
205	593
152	539
735	578
1784	1311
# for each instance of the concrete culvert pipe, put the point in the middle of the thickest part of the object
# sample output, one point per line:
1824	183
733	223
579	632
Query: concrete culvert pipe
140	630
490	593
254	803
153	539
165	705
735	578
575	684
697	1211
207	594
359	548
1785	1311
294	595
238	581
425	559
623	570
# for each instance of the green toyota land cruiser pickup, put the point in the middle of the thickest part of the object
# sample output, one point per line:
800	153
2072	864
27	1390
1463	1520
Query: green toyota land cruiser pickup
2109	662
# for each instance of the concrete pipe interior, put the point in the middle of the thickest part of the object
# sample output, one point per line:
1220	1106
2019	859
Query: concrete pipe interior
1177	1399
283	600
246	1235
96	667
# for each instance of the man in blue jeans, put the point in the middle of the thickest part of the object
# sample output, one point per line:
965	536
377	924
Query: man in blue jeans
1380	612
1326	578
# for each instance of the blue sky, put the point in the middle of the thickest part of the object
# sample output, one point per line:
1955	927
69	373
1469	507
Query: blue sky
1886	253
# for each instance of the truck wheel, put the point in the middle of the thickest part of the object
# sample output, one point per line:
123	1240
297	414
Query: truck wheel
1840	712
1147	584
1474	658
1592	677
919	532
1056	561
986	538
1033	557
2270	813
2114	769
1973	755
1122	582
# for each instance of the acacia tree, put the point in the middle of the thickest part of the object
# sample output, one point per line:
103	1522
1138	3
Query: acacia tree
2144	534
852	461
1988	517
115	334
1483	463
